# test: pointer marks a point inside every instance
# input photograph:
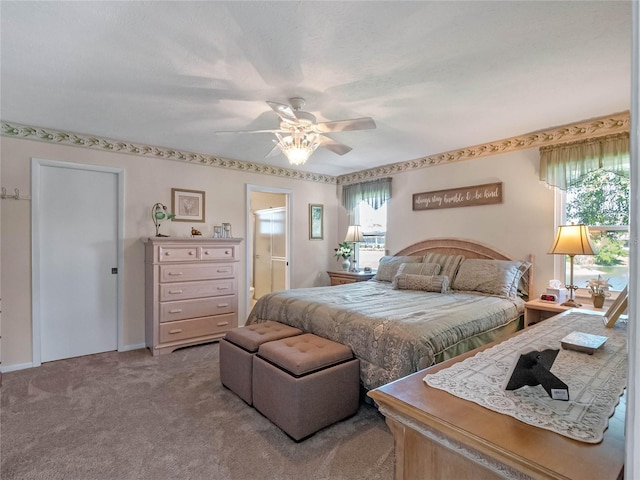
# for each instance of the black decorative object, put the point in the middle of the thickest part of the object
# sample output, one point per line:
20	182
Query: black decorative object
532	368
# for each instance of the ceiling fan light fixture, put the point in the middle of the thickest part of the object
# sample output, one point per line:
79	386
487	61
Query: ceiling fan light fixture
298	146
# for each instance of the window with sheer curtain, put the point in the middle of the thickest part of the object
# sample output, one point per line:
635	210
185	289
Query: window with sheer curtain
366	204
591	178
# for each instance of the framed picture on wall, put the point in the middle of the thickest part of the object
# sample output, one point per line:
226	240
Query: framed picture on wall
187	205
316	222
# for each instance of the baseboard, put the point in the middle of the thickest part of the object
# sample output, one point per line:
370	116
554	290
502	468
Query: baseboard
22	366
16	367
136	346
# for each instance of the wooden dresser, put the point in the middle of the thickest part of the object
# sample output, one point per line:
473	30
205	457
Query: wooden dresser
191	293
440	436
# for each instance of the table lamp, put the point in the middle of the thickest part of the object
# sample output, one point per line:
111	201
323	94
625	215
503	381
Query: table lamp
160	212
572	240
354	235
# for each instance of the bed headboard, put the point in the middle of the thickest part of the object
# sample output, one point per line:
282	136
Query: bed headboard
468	248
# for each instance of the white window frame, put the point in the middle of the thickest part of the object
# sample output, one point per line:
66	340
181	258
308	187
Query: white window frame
559	261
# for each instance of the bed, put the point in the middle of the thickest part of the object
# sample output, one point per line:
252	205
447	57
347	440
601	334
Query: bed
466	294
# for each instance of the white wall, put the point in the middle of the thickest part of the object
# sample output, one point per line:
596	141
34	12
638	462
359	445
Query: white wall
147	181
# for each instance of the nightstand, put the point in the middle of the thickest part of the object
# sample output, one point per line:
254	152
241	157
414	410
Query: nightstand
342	277
536	311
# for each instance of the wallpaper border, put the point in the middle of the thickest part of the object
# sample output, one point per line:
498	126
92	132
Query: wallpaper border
605	125
10	129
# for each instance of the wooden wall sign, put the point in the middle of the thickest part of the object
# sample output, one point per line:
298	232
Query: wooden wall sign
459	197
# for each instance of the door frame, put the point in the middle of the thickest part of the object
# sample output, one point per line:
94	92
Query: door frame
289	243
36	165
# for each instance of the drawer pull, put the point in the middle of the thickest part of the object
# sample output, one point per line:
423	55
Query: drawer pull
222	270
223	288
175	274
223	305
206	252
222	324
190	252
175	292
226	252
175	310
167	253
175	330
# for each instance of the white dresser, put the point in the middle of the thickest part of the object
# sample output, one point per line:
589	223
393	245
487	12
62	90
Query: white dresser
191	291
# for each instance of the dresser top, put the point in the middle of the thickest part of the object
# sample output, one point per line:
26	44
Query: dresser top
190	240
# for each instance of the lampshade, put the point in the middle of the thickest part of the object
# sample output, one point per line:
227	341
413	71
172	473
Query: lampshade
298	146
572	240
354	234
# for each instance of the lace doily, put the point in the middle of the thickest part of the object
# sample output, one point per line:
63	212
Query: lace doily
595	382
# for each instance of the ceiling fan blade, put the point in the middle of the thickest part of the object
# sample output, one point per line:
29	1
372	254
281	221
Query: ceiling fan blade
334	146
346	125
273	152
285	112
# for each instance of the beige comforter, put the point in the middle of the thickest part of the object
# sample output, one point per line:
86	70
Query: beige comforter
392	332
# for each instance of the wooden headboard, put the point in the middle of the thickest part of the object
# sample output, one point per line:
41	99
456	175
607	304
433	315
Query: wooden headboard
467	248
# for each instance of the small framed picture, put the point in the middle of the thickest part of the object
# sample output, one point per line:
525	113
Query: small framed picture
616	309
316	222
187	205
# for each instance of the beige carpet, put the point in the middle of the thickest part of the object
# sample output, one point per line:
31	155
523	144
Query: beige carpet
131	416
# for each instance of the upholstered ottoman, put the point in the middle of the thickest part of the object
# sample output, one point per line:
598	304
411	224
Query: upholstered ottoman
305	383
238	348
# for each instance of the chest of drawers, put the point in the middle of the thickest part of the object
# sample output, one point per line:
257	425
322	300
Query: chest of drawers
191	291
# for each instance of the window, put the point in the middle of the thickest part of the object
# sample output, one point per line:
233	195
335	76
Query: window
591	178
373	224
600	200
366	204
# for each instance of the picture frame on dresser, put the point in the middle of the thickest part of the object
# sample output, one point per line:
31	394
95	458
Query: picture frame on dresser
616	309
316	221
188	205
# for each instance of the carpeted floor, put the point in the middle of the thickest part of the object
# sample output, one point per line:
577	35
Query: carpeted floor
132	416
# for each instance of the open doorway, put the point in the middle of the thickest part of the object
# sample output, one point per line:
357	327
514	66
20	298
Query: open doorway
268	243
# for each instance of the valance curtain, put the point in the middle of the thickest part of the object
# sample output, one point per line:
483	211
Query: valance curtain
375	193
562	165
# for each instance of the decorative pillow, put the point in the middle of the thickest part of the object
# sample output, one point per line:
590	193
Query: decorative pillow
448	263
427	283
389	265
520	284
419	269
495	277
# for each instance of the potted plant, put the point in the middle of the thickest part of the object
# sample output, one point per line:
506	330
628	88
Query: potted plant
344	252
599	290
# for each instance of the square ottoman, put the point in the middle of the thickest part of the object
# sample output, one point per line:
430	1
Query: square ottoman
238	348
305	383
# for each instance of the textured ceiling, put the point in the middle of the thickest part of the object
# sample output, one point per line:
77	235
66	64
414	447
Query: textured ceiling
435	76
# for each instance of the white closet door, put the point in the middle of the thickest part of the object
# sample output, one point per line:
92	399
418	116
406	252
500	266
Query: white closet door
279	249
78	248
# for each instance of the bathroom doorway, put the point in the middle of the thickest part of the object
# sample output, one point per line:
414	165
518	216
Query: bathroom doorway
268	245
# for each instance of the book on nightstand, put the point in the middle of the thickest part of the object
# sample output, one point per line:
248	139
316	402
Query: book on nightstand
583	342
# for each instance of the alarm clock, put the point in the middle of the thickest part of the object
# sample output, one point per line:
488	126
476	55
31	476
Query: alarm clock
548	297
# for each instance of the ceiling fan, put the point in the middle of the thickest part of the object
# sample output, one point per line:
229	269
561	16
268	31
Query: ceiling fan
300	133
